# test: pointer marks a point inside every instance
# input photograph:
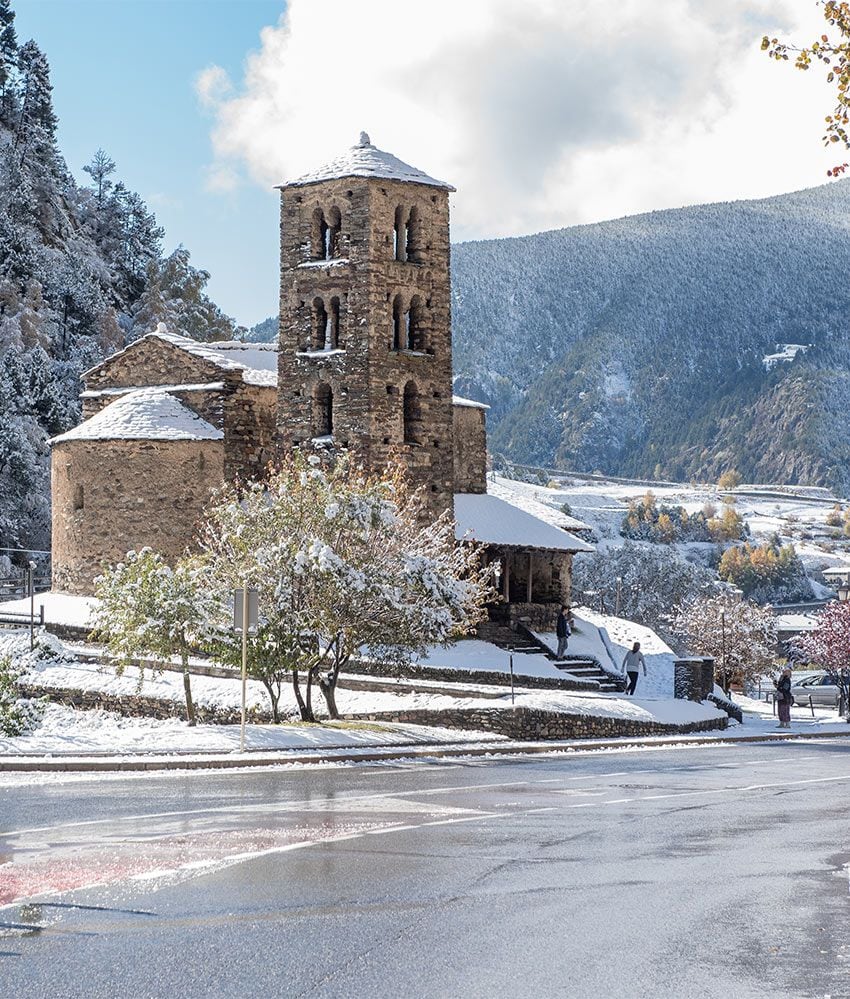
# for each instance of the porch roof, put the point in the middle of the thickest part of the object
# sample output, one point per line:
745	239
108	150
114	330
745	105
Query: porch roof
493	521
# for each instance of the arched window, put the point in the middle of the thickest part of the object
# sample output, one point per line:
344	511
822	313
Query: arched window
332	237
414	325
332	335
320	238
323	410
413	245
399	235
399	320
412	414
321	324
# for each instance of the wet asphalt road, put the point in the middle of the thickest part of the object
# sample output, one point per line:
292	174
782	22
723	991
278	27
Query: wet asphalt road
676	873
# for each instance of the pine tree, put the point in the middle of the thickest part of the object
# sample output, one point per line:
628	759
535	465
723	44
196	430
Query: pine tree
8	60
102	166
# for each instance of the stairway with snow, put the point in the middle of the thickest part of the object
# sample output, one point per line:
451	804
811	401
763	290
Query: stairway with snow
524	642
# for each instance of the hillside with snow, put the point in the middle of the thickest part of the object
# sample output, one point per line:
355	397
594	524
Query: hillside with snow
658	345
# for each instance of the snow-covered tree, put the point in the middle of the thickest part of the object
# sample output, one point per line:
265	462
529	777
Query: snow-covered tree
18	715
650	580
146	608
100	169
342	564
175	296
739	635
828	646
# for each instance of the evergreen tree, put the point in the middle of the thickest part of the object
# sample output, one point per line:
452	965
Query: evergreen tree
102	166
8	60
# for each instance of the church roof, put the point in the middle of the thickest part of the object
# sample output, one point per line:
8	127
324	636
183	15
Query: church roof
256	361
492	521
146	414
366	160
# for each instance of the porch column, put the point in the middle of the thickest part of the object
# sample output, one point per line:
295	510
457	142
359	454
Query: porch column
530	572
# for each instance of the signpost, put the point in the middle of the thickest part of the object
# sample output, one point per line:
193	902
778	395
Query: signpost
246	617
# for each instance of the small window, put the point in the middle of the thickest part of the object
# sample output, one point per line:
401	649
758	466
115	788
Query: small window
78	497
399	322
321	325
400	234
323	410
412	414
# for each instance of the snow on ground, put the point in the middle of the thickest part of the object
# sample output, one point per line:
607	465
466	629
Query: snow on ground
475	655
59	608
607	639
67	730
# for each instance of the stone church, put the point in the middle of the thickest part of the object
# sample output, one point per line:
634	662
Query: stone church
363	361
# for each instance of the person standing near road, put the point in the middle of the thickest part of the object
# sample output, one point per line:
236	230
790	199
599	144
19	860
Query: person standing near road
563	631
784	698
631	664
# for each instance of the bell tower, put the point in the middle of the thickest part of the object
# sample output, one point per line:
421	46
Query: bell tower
365	357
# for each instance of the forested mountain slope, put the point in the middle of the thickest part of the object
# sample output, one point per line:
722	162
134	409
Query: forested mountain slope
636	346
81	272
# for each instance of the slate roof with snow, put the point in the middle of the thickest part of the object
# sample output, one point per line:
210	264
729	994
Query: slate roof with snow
522	494
458	400
366	160
492	521
256	361
147	414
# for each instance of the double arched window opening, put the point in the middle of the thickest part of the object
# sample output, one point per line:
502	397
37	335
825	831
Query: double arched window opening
326	231
408	324
407	235
325	334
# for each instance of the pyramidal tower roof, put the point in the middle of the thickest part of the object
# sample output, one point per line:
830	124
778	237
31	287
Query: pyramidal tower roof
366	160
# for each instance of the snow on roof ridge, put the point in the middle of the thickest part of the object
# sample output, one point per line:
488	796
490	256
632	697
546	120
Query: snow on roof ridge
143	415
459	400
366	160
125	389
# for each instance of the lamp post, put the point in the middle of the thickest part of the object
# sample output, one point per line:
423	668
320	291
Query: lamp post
619	596
723	648
31	588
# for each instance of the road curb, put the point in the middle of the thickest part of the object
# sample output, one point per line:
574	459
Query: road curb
384	754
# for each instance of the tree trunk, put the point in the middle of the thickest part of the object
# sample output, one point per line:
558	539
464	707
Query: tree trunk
187	688
328	686
274	698
308	705
296	687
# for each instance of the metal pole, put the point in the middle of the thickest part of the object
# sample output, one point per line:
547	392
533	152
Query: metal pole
244	662
619	595
723	650
512	679
31	571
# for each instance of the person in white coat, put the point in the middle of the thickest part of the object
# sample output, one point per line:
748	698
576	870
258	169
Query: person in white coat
632	663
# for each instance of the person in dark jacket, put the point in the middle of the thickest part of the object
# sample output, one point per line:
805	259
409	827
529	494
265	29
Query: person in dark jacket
783	698
563	631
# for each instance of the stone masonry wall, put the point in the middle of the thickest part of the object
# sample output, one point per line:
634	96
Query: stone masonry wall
527	724
113	496
368	375
470	449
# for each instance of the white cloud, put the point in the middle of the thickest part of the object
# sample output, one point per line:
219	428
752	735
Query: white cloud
542	112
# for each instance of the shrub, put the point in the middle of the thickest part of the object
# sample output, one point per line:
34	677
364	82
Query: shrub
730	479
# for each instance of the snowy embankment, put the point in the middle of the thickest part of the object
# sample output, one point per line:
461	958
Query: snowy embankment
607	639
477	656
62	609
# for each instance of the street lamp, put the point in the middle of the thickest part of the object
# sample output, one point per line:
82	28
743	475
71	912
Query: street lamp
844	590
723	648
31	588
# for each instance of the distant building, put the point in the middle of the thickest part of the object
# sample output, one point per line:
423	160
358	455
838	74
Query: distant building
364	362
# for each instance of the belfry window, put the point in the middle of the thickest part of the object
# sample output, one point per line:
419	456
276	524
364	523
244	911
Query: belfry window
323	410
414	325
400	235
399	323
413	237
332	328
319	236
332	236
412	414
321	325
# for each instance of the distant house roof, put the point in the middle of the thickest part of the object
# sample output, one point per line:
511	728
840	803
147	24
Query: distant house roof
256	361
366	160
146	414
493	521
458	400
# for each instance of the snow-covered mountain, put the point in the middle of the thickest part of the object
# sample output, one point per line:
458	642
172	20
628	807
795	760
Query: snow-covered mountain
639	346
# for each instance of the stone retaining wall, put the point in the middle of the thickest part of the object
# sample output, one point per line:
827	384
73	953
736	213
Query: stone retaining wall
448	675
531	724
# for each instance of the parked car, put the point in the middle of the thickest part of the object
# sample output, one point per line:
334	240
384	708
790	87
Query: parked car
820	688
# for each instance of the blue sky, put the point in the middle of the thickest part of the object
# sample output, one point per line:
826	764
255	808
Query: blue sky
123	74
